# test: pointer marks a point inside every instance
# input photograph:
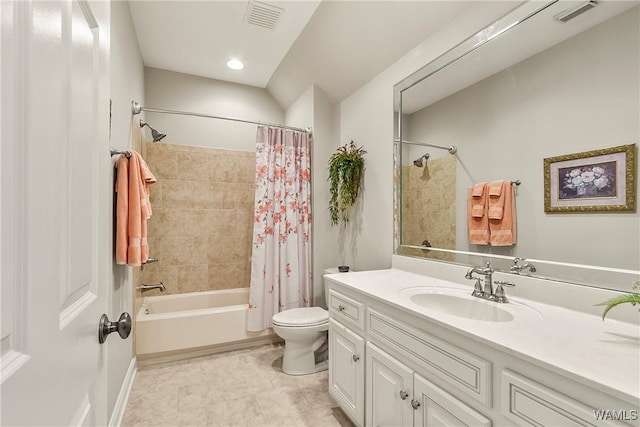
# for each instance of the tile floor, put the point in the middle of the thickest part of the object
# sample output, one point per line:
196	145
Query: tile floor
238	388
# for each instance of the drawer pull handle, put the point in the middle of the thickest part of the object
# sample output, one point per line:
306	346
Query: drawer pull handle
341	307
403	395
355	357
415	404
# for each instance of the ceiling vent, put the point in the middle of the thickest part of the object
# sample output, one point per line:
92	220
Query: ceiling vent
263	15
569	14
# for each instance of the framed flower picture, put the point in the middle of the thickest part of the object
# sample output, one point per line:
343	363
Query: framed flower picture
598	180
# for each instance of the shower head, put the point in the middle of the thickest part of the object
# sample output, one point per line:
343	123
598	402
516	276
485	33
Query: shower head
419	162
157	136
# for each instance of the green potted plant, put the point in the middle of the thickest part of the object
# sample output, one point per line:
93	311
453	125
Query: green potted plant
346	167
632	298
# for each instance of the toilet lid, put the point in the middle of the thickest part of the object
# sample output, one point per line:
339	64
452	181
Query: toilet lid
306	316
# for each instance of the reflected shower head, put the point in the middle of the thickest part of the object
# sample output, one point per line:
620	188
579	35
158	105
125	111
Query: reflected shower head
419	162
157	136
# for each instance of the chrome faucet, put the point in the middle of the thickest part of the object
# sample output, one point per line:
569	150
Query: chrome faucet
144	288
517	268
487	271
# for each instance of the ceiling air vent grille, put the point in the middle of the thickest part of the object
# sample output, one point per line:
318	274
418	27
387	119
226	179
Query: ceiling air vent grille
569	14
263	15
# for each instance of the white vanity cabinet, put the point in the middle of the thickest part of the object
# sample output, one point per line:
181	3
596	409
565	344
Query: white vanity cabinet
347	355
398	396
346	370
392	366
390	390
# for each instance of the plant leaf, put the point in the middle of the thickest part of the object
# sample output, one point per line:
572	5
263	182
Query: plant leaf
622	299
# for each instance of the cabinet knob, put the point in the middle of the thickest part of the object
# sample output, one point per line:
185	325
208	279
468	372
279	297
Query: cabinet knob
341	307
415	404
403	395
355	357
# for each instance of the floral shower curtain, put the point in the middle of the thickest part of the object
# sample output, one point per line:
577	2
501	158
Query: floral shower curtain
281	257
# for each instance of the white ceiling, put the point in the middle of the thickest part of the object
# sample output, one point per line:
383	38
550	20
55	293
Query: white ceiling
338	45
198	37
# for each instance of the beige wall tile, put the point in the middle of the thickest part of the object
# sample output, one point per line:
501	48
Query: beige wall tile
155	194
178	250
156	273
164	223
238	196
221	169
163	164
193	166
200	250
193	278
195	222
201	230
192	194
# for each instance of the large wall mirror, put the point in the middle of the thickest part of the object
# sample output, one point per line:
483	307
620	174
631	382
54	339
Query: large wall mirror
546	80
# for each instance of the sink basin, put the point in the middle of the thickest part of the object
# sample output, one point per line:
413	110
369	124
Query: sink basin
462	306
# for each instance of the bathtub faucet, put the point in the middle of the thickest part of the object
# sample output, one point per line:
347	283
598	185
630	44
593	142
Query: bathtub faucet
144	288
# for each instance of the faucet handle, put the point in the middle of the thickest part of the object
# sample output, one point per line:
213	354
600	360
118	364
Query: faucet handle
477	289
499	293
503	283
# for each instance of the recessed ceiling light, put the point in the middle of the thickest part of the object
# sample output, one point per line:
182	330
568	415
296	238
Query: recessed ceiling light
235	64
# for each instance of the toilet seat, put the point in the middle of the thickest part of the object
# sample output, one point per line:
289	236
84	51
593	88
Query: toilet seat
301	317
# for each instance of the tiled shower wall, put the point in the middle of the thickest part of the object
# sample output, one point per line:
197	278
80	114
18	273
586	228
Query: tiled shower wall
429	206
202	220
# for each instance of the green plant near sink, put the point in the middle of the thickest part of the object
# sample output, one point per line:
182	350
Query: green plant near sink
632	298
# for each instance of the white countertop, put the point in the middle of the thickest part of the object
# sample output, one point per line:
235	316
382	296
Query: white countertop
583	347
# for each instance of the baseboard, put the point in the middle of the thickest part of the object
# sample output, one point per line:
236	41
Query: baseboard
172	356
123	397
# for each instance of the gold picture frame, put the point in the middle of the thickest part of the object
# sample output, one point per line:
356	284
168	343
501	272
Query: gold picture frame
601	180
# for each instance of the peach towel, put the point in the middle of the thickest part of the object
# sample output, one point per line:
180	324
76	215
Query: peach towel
496	199
478	199
122	208
478	222
503	231
133	209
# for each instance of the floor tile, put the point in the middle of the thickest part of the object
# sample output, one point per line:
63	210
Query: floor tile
237	388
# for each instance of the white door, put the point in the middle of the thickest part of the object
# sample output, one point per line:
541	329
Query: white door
389	390
54	126
346	370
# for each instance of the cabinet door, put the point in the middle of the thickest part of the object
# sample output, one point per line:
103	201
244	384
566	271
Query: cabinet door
346	370
435	407
389	391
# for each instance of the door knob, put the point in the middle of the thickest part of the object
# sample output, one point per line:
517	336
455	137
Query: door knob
122	326
355	357
403	395
415	404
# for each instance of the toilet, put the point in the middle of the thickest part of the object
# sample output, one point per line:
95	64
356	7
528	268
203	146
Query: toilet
304	331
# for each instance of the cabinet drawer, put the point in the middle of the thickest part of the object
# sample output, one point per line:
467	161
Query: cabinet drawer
528	403
346	310
458	368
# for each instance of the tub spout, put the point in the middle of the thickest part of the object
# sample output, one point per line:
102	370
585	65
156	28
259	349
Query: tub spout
144	288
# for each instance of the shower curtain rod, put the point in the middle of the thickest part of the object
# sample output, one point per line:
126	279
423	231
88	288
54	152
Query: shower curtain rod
452	149
136	108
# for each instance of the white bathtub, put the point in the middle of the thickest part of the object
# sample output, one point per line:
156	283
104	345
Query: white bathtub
194	320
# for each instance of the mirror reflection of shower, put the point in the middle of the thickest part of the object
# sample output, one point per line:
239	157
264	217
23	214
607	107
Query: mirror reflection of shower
156	135
421	161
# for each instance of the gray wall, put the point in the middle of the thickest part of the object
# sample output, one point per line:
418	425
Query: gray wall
579	95
184	92
366	116
314	108
127	83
